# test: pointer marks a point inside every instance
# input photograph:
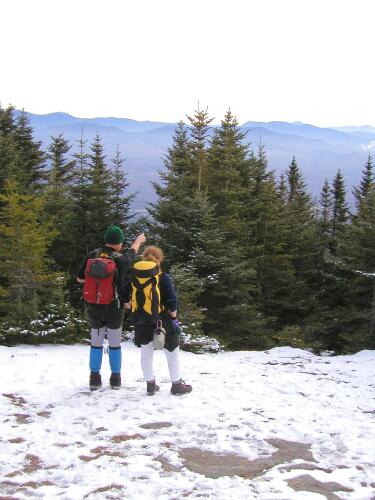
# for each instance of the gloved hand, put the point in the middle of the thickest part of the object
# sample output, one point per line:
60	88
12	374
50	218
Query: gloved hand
176	326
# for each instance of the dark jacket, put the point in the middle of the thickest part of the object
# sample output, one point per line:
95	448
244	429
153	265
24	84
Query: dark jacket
168	296
123	262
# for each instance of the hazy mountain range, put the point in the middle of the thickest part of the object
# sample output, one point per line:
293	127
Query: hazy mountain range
320	152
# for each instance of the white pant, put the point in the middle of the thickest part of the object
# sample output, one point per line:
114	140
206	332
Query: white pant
147	358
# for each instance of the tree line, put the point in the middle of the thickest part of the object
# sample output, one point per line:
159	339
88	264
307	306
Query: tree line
257	261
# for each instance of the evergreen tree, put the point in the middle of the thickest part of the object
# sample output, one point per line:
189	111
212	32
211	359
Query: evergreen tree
296	185
282	188
99	194
302	246
229	284
25	235
30	161
340	211
8	151
359	255
172	225
227	162
120	202
366	184
60	202
7	120
267	234
80	192
325	219
199	128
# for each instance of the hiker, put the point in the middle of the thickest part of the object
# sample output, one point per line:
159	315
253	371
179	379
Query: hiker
153	301
103	274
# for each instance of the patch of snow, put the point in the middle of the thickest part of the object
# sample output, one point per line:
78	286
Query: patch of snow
74	443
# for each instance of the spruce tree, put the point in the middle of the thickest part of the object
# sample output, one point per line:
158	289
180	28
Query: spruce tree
267	234
171	219
30	160
99	194
358	250
80	192
282	187
340	211
25	235
8	152
227	164
325	219
60	201
366	184
120	202
296	184
228	284
199	129
7	120
302	246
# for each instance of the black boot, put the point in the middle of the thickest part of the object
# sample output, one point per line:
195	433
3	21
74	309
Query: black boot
152	388
95	381
178	388
115	381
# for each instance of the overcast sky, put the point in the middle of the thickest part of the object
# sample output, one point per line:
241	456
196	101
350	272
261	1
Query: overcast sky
292	60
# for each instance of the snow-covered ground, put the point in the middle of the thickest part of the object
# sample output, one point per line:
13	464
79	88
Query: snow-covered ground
282	424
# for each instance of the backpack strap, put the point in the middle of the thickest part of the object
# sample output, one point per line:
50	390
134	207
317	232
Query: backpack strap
111	256
140	296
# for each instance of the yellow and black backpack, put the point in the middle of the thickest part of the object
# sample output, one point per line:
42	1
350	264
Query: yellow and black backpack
145	298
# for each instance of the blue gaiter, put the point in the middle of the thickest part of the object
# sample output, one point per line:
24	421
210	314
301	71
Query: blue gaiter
115	359
96	356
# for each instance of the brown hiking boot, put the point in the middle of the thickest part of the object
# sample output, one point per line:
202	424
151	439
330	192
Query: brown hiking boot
179	388
95	381
115	381
152	387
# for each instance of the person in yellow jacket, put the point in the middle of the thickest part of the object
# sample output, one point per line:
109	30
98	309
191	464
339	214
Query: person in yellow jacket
153	300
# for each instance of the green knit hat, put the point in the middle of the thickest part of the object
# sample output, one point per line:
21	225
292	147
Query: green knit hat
114	235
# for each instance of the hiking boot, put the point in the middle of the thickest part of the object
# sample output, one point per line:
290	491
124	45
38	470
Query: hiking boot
179	388
95	381
152	387
115	381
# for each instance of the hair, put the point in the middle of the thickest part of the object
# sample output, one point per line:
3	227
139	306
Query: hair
153	254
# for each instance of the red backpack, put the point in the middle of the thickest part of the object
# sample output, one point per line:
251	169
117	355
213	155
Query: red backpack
100	279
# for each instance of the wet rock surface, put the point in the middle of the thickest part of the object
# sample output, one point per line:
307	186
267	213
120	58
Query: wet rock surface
216	465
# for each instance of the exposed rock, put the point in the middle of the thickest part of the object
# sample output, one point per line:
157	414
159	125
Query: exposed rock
308	483
104	489
45	414
167	467
16	400
216	465
17	440
125	437
156	425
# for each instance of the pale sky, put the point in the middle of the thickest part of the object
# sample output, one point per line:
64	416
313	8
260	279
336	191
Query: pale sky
294	60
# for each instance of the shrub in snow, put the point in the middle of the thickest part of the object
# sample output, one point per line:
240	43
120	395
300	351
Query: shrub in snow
52	326
127	335
199	344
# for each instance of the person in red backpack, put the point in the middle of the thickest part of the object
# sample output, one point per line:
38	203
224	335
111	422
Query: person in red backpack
103	274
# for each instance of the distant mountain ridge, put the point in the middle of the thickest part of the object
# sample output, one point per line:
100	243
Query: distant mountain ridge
320	152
